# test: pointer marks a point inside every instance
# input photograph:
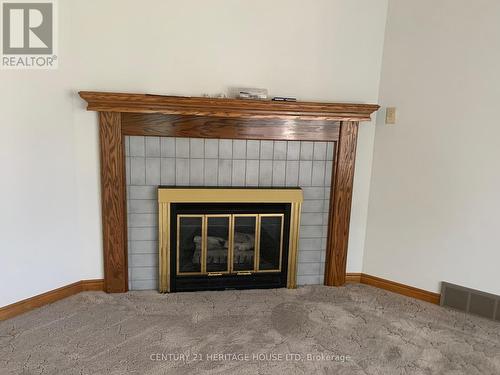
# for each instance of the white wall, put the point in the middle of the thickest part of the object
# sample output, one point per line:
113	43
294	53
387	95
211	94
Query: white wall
324	49
435	193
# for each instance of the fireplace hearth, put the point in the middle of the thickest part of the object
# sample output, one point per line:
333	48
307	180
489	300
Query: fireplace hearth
228	238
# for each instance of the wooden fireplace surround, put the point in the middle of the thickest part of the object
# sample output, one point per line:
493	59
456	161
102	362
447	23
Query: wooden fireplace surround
169	116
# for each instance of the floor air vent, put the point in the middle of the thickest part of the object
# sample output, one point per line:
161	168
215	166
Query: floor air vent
470	300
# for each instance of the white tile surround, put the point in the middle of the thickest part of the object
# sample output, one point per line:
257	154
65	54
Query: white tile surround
154	161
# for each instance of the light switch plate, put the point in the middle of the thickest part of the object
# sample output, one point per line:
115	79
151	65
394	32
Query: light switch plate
390	115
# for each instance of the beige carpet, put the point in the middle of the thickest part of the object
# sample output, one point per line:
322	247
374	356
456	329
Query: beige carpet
312	330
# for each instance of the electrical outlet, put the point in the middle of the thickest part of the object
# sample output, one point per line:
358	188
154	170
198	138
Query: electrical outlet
390	115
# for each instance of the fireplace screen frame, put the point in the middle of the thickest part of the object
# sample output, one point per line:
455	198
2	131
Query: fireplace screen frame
167	196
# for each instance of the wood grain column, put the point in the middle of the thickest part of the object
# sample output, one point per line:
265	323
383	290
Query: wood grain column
340	205
114	216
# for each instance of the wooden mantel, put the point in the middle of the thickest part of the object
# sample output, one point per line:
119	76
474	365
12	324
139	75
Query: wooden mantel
224	108
173	116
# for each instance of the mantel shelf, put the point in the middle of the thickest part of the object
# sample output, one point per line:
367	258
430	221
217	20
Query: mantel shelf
226	108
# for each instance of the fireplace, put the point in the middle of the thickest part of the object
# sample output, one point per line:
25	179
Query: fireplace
220	238
123	115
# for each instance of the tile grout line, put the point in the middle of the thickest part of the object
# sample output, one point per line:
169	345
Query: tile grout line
286	162
144	146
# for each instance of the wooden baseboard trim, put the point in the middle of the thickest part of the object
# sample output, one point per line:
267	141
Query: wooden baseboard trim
393	286
28	304
353	278
96	285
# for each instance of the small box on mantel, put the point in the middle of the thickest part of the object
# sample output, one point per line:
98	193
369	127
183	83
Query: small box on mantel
251	93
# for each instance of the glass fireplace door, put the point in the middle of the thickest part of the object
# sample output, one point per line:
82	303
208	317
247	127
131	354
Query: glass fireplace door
217	244
190	244
270	243
244	243
236	244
